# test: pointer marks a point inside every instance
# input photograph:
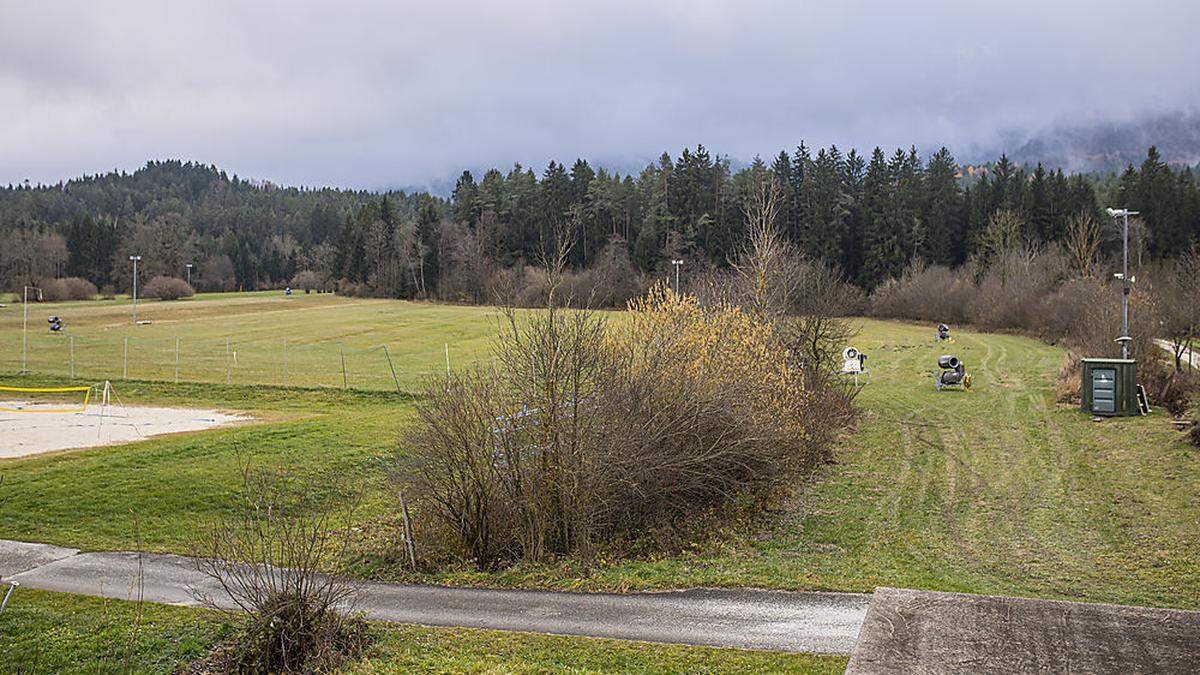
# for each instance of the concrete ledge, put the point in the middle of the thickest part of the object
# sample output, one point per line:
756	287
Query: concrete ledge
18	556
909	631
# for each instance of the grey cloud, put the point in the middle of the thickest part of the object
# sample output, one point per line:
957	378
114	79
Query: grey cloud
371	94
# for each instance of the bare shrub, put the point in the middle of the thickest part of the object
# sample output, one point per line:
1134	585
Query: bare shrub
168	288
308	281
1008	295
586	434
925	292
279	558
352	289
69	288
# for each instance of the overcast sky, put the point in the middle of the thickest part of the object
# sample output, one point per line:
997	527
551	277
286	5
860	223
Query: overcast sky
384	94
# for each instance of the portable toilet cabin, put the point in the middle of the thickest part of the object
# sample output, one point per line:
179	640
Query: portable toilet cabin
1109	387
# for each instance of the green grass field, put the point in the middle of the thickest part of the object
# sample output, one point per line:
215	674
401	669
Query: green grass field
996	490
251	338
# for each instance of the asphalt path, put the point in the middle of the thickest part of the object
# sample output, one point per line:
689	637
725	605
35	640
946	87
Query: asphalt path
749	619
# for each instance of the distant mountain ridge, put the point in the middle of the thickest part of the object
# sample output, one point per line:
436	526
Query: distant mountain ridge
1101	146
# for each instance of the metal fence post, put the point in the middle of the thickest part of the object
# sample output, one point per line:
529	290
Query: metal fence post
227	377
342	353
392	368
176	359
72	342
125	360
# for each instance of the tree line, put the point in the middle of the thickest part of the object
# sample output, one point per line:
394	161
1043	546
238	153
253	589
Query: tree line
868	216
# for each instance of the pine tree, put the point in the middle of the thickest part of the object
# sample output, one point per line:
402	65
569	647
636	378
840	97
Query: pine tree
944	222
465	200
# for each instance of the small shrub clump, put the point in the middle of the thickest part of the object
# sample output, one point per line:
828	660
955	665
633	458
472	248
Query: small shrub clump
280	557
70	288
168	288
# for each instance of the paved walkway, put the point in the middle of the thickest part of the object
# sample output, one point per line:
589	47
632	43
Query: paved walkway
1189	355
773	620
929	632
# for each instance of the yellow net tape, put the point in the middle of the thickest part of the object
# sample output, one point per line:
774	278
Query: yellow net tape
48	390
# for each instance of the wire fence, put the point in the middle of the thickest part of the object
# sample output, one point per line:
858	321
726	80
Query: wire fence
229	361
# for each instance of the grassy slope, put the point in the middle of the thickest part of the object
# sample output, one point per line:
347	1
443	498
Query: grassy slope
53	632
319	330
995	490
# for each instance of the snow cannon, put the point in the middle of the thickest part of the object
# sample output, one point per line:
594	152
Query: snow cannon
951	373
853	364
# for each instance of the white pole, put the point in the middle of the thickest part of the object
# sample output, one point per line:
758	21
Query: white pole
447	359
1125	289
71	340
24	330
135	261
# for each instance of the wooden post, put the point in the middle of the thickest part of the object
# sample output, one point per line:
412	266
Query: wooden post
395	380
409	546
342	354
125	360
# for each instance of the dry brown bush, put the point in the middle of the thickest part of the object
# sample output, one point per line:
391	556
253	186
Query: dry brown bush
69	288
168	288
587	434
925	293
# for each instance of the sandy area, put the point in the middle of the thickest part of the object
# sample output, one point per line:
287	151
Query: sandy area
28	433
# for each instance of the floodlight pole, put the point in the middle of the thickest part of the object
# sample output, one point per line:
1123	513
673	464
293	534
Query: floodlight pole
1124	213
677	264
135	259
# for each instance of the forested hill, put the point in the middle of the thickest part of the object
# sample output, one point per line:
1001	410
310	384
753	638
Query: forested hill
871	216
238	233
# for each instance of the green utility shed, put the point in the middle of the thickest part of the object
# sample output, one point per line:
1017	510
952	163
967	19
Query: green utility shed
1108	387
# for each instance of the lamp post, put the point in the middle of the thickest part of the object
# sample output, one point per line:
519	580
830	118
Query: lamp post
189	273
677	264
135	259
25	325
1124	215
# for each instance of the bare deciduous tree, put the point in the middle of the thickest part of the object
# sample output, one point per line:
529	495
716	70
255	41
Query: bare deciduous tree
1082	245
1178	303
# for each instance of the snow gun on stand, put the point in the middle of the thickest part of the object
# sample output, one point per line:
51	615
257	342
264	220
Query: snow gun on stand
951	373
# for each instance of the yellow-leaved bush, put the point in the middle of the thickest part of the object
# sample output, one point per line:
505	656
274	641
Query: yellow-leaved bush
588	434
725	348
